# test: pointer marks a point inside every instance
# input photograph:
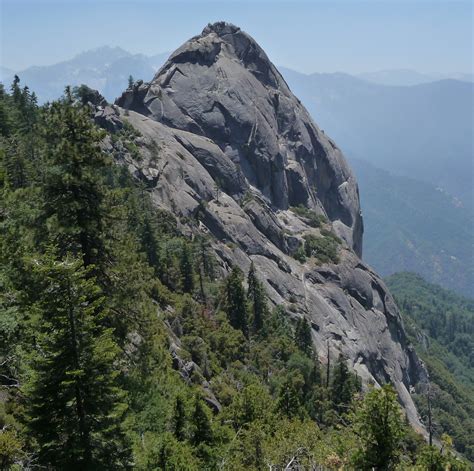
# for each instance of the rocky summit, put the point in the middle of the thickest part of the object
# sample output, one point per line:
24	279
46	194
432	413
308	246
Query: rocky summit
225	145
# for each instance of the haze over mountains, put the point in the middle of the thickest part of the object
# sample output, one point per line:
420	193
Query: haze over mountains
411	226
408	77
418	210
422	131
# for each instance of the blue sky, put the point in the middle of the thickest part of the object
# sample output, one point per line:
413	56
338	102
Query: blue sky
309	36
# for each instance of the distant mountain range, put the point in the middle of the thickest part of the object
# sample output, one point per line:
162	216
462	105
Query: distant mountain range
422	131
408	77
413	226
105	69
398	120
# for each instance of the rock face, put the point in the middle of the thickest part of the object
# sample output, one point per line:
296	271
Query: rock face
225	143
221	85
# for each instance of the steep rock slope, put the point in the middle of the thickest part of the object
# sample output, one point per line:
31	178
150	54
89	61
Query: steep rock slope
222	85
226	146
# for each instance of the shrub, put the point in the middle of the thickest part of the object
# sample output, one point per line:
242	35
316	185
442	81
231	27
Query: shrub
310	216
322	248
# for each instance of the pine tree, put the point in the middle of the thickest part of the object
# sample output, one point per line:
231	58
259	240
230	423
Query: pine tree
16	90
130	82
73	189
5	115
303	338
186	269
149	243
74	403
379	424
289	398
202	430
204	265
342	387
179	419
14	164
257	298
235	301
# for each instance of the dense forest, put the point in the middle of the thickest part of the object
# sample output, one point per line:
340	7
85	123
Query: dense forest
124	344
440	324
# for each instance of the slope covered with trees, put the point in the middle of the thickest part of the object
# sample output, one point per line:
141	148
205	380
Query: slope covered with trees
123	346
440	324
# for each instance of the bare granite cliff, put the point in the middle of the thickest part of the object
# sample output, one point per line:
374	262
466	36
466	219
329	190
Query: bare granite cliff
225	144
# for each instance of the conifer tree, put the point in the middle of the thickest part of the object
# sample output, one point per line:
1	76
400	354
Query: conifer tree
186	269
204	265
202	430
289	398
73	189
16	90
257	298
149	243
342	387
379	424
235	301
303	336
74	403
179	419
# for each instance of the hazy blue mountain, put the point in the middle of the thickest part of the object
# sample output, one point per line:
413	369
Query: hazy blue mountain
422	131
408	77
105	69
412	226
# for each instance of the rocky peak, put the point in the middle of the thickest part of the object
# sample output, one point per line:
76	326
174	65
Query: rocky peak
227	147
222	85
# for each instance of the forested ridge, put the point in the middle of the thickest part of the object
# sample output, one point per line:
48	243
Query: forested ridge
440	324
123	346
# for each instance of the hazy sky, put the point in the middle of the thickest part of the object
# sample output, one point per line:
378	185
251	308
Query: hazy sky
310	36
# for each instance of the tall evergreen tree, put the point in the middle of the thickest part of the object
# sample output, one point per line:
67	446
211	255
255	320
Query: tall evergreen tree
342	387
202	429
186	269
290	395
179	419
235	301
150	245
203	264
379	424
73	188
303	336
74	403
257	298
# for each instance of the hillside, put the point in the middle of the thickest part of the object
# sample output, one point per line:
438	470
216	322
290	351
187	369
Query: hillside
412	226
441	326
181	287
127	344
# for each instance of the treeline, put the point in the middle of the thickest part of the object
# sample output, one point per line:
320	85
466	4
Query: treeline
122	348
